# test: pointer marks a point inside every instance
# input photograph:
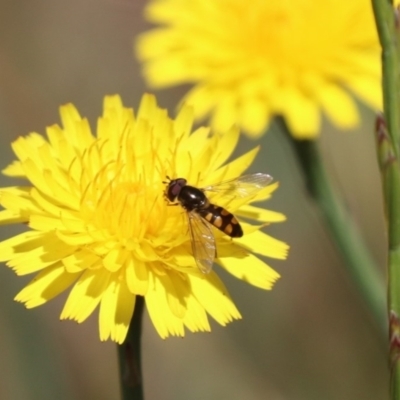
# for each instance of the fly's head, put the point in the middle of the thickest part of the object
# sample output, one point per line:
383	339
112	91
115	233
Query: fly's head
173	187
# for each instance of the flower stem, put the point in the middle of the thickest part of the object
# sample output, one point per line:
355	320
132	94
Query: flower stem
129	354
388	136
359	262
385	19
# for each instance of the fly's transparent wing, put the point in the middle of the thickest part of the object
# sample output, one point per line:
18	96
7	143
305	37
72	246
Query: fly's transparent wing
242	186
203	242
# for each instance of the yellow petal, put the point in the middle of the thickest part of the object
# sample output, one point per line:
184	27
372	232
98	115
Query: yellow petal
11	217
261	243
45	203
113	102
199	154
61	194
35	176
176	292
259	214
249	228
147	107
224	115
116	310
80	260
56	138
172	68
254	116
14	169
184	122
85	295
251	270
213	296
339	106
45	286
72	239
45	223
224	146
196	317
18	244
233	169
165	322
26	147
367	89
137	276
301	114
47	252
115	259
202	98
78	129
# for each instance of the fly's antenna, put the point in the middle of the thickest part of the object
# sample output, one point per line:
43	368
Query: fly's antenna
167	181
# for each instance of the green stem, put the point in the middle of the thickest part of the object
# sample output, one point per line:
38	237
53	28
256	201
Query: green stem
388	155
344	232
395	379
385	22
129	354
390	173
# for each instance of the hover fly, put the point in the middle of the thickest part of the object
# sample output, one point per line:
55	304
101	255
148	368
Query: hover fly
202	214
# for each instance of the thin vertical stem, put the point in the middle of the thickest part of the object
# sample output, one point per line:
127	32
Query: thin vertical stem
390	173
385	19
358	260
129	354
388	154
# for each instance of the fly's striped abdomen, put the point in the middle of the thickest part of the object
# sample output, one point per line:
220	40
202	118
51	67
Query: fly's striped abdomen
221	219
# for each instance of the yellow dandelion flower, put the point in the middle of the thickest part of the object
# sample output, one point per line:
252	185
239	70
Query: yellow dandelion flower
251	61
101	225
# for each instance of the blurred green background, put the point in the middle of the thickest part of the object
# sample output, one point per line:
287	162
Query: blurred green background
310	338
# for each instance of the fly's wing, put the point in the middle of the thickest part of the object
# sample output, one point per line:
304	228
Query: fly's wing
203	242
242	186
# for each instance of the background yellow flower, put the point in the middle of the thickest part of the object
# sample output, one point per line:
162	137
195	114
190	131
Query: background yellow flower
101	225
249	61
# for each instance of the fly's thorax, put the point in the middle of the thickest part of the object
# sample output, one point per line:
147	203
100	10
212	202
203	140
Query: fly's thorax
192	198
